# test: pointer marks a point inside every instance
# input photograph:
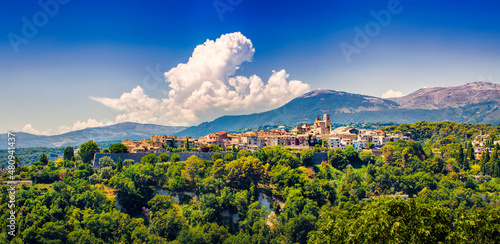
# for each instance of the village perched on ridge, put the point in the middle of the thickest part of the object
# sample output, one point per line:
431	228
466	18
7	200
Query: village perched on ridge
306	136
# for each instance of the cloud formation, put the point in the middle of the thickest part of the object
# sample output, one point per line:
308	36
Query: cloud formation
391	93
206	87
79	125
28	128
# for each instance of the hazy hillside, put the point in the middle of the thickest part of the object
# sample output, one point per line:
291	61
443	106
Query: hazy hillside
121	131
302	109
455	96
476	102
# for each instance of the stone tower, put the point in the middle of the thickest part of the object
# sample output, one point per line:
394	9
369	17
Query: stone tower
328	121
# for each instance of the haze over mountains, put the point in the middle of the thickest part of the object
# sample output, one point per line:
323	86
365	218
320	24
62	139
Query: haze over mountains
475	102
121	131
456	96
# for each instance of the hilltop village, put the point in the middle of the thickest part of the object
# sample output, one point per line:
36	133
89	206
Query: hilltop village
306	136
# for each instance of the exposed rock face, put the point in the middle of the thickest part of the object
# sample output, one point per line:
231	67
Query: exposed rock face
453	96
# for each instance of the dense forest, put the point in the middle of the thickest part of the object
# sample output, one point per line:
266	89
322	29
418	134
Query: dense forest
442	133
29	155
431	190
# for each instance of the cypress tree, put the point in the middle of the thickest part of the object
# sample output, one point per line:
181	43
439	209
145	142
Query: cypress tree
496	169
460	158
43	159
483	162
68	153
466	164
119	164
494	155
470	152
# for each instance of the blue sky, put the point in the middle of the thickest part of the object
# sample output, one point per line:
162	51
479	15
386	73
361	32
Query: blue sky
85	55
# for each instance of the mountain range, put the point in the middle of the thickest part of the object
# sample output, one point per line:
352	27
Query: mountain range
475	102
121	131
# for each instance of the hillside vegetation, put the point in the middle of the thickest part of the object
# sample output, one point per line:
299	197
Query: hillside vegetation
424	191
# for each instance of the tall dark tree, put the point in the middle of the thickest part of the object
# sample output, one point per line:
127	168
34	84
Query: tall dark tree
494	155
466	165
119	164
43	159
485	158
87	151
487	155
68	153
171	143
491	166
470	151
460	156
187	145
17	161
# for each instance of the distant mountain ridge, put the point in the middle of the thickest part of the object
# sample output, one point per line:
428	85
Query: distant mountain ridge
455	96
121	131
475	102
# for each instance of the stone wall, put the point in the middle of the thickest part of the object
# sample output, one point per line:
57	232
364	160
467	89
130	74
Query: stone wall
317	157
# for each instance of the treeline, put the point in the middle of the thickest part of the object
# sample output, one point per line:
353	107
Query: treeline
397	221
29	155
367	125
411	195
442	133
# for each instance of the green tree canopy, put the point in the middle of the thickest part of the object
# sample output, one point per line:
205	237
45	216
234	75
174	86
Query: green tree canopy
228	157
68	153
306	157
107	162
87	151
216	156
175	158
118	148
337	158
367	156
163	157
43	159
149	159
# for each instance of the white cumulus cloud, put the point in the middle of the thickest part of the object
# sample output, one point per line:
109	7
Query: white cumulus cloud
28	128
79	125
206	87
391	93
86	124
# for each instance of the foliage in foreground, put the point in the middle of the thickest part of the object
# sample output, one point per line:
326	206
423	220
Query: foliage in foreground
267	196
